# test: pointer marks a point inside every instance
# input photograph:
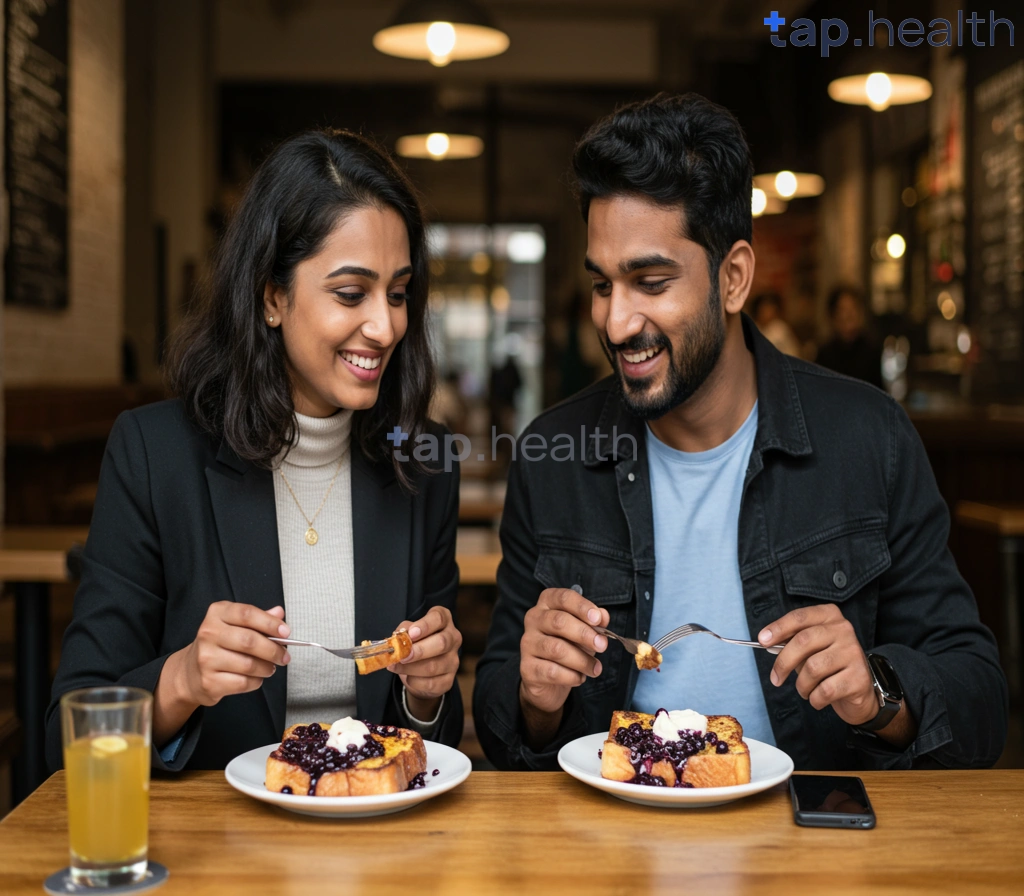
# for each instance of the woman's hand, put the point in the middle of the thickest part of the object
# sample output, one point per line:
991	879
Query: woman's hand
231	654
428	673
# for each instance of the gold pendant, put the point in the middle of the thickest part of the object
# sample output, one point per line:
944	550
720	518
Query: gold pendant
311	536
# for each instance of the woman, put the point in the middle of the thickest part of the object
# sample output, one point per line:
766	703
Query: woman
266	500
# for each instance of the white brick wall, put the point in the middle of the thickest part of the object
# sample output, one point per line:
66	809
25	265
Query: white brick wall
82	345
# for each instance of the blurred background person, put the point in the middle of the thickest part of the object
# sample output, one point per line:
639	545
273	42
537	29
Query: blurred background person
851	351
767	313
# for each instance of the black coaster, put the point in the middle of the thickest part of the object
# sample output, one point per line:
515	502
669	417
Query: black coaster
60	884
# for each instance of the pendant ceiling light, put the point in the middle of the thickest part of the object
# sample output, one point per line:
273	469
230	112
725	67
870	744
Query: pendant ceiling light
438	146
441	31
880	90
763	204
880	77
790	184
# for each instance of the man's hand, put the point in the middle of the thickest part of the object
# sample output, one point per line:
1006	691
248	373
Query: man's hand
832	668
428	673
557	653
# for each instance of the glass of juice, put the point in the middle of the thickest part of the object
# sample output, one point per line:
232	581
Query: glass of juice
106	761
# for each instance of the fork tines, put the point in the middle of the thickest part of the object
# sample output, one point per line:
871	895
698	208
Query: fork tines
681	632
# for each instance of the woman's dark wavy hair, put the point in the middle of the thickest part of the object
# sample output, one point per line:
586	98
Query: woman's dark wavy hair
228	367
677	150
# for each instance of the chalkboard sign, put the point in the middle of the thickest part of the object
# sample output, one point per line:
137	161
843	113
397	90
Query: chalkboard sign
36	152
997	243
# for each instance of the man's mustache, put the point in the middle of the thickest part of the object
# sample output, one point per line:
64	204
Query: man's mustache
638	344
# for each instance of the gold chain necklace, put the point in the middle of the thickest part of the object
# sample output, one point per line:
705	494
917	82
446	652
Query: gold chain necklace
311	534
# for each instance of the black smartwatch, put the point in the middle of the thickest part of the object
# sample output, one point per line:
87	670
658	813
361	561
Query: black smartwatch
888	691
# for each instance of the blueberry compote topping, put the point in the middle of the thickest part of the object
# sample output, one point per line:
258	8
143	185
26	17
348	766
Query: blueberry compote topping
307	748
418	781
646	748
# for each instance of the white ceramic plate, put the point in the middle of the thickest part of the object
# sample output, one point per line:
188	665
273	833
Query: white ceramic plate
247	773
768	766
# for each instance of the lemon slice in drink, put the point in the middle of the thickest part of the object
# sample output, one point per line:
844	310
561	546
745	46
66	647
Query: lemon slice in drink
108	745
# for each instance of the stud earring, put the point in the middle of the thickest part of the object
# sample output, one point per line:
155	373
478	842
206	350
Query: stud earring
270	319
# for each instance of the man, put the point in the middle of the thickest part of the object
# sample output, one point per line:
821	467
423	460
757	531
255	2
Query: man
724	483
850	352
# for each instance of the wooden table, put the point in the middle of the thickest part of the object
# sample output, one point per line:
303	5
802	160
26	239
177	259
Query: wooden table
478	553
543	832
31	559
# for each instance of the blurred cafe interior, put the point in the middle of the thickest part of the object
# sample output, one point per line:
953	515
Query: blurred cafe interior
888	230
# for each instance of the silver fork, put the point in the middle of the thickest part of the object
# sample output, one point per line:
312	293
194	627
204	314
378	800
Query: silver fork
631	644
692	628
374	648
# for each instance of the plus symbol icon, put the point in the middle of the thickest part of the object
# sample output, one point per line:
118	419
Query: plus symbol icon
397	436
774	20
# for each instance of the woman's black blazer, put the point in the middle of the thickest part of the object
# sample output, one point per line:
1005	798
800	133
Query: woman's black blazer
181	522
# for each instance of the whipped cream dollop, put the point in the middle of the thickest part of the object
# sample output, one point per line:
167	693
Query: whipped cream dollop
667	725
347	733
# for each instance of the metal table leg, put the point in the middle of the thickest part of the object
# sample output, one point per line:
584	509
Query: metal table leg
32	682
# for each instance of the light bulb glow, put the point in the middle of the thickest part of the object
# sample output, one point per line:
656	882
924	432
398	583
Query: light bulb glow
526	247
785	184
437	145
879	90
441	42
758	202
895	246
948	309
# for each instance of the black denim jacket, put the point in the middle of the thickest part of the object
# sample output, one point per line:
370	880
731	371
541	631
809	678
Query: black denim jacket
839	506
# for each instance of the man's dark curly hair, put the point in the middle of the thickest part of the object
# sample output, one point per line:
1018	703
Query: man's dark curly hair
677	151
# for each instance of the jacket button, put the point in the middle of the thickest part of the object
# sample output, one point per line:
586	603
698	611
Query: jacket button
647	595
631	477
839	578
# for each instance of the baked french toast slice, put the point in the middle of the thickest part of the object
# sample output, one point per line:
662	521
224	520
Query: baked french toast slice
401	646
636	756
388	763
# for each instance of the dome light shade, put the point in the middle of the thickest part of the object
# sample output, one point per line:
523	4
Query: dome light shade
790	184
441	31
438	146
879	90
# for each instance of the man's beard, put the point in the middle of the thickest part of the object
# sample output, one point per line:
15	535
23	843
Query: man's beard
701	348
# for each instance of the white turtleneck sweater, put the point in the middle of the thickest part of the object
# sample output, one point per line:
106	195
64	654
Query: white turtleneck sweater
319	580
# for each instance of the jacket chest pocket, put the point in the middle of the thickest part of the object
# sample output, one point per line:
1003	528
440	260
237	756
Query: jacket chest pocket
606	581
837	569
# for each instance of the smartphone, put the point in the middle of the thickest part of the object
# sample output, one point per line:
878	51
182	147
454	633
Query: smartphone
830	801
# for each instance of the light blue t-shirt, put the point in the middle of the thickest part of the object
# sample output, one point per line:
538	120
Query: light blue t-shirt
696	503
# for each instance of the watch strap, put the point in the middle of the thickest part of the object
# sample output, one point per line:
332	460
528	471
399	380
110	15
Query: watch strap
884	716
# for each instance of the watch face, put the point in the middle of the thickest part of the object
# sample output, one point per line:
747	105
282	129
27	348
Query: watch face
886	677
